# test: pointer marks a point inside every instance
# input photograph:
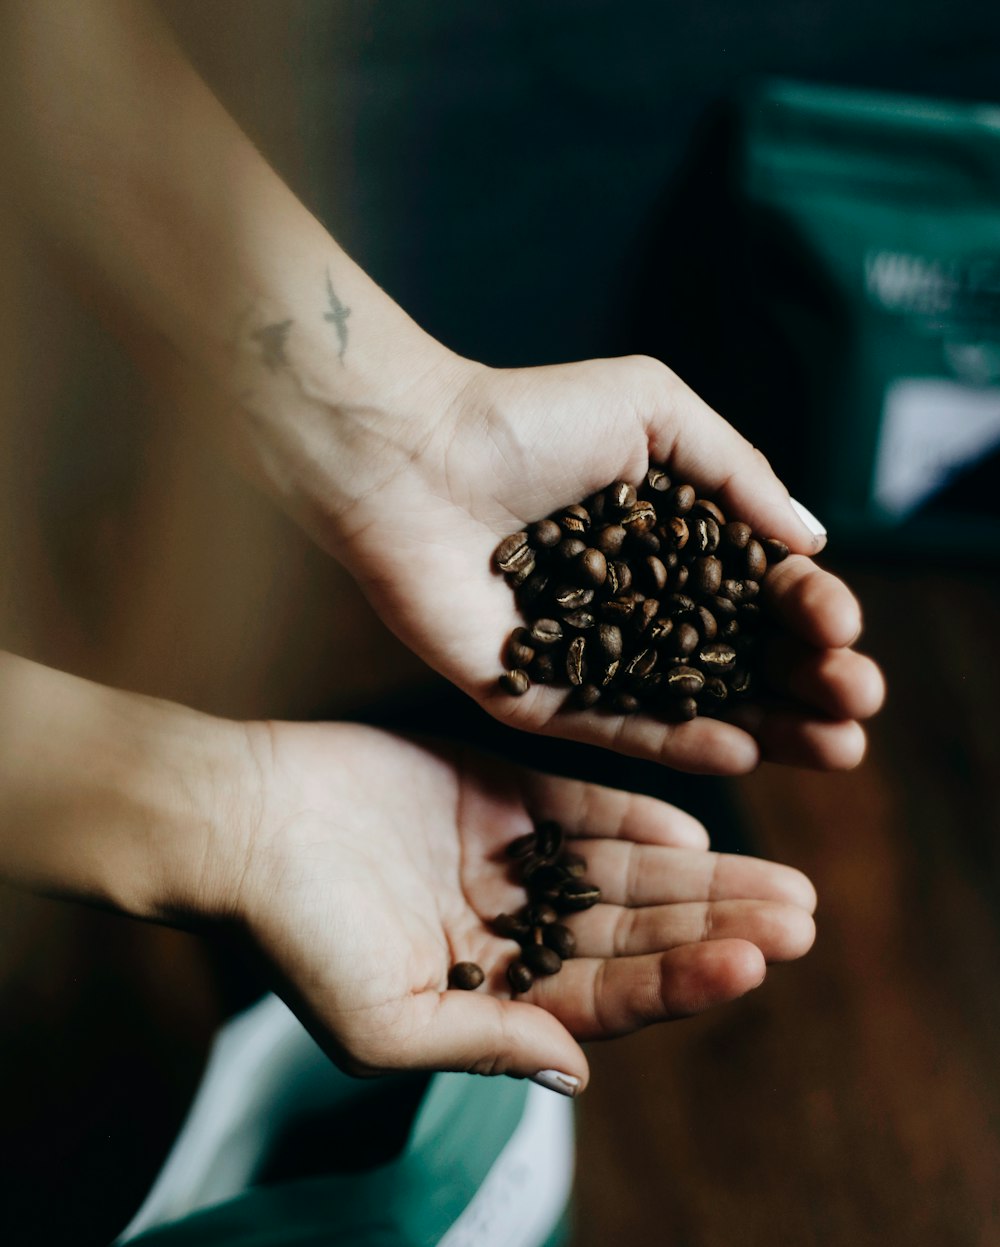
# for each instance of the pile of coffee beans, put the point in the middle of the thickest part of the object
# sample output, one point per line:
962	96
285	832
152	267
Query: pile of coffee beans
639	597
555	886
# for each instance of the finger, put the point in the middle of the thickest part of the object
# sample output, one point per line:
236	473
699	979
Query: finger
781	931
839	682
700	446
640	874
592	810
816	606
796	738
596	999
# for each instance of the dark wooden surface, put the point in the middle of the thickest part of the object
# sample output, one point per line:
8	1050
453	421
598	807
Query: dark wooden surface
855	1097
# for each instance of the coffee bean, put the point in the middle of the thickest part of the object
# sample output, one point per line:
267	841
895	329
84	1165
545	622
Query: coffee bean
596	506
680	499
523	573
639	518
533	588
654	574
684	709
619	579
541	914
620	497
508	555
543	670
734	536
756	561
609	673
714	690
572	597
546	632
523	847
576	668
774	551
519	977
717	657
675	530
740	682
679	604
659	630
510	927
561	940
516	682
657	481
704	506
683	640
642	664
586	696
729	630
736	590
722	608
540	959
576	895
579	620
706	574
684	682
545	534
574	520
641	543
703	535
574	864
680	577
609	540
548	839
592	568
570	548
466	976
625	703
519	652
706	623
645	615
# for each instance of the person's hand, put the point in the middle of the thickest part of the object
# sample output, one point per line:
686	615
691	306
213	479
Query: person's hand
481	453
377	863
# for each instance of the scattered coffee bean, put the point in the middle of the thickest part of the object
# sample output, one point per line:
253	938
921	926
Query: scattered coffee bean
516	682
519	652
577	894
560	939
540	959
511	552
519	977
466	976
774	551
510	927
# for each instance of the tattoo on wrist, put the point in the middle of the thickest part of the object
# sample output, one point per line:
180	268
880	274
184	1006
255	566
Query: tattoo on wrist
272	340
337	315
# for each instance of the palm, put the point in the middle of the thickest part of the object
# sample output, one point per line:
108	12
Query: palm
422	548
373	884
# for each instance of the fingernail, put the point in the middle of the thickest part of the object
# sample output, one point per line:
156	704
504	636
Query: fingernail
553	1080
807	518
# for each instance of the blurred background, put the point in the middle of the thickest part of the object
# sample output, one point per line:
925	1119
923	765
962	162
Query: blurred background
797	206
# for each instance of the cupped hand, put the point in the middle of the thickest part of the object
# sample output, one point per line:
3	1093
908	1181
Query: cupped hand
483	452
377	863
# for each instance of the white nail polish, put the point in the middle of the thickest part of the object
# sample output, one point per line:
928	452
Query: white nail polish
553	1080
807	518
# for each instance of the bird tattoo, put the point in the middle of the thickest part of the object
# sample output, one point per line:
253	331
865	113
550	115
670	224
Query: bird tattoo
337	315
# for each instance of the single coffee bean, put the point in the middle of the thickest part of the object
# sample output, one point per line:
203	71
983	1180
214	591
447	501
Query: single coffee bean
609	673
576	668
657	481
734	536
659	630
570	548
516	682
592	568
642	664
719	656
680	499
510	552
620	497
730	630
705	506
546	632
548	839
644	543
519	977
679	604
722	608
579	620
706	574
683	640
541	914
596	505
706	623
524	572
675	530
574	520
619	579
511	927
740	682
578	895
756	561
654	574
561	940
575	865
609	540
684	709
586	696
543	670
645	615
519	652
609	641
684	682
466	976
774	551
736	590
703	535
625	703
638	519
545	534
540	959
714	690
680	577
572	597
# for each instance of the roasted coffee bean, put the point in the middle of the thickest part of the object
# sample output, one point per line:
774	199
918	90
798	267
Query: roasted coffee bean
545	534
714	690
625	703
592	568
533	588
704	506
586	696
642	664
516	682
679	604
579	620
654	574
755	560
540	914
684	682
548	838
519	652
620	497
736	590
523	847
703	535
706	623
609	673
684	709
774	551
577	895
574	520
609	540
572	597
510	553
680	499
734	536
540	959
657	481
680	577
466	976
609	641
546	632
511	927
729	630
670	559
574	864
683	640
645	615
676	531
618	611
570	548
706	574
722	608
519	977
740	682
517	578
639	518
719	656
619	578
595	504
561	940
576	668
644	543
659	630
543	670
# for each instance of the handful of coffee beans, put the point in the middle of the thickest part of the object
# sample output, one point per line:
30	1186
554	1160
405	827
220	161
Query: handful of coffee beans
637	598
554	882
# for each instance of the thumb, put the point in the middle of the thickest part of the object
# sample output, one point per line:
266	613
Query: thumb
702	447
485	1035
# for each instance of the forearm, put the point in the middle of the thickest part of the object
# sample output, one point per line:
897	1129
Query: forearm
114	798
119	151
